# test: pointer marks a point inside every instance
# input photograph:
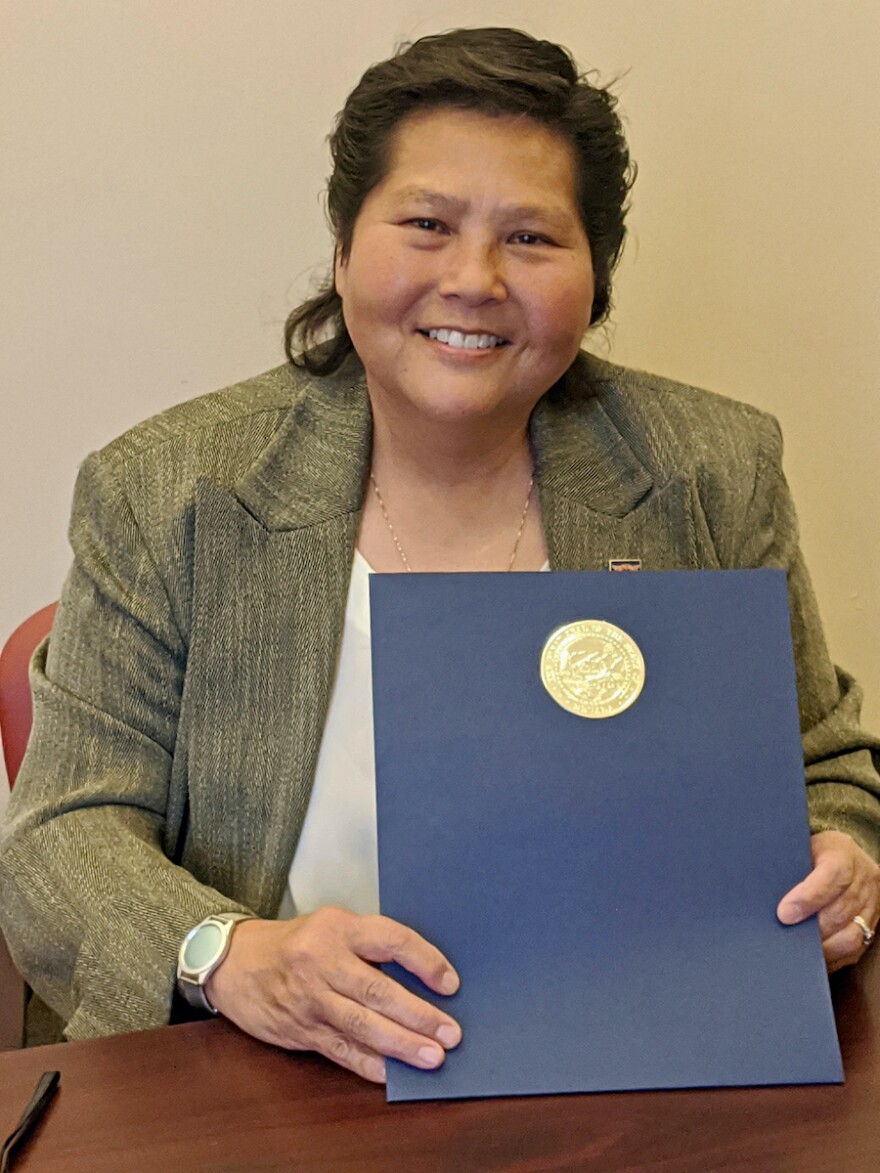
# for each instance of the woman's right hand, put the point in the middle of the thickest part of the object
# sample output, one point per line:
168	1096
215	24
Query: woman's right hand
308	984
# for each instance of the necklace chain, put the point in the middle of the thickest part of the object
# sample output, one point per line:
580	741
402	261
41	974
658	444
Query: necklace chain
402	552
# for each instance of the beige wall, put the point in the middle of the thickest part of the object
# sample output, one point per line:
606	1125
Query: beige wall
161	164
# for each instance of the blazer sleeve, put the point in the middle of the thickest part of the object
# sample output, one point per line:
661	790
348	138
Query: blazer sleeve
841	759
92	906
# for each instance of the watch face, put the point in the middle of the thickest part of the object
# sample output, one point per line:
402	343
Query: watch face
202	947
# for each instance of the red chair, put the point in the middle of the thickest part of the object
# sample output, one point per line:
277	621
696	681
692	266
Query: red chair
15	694
15	725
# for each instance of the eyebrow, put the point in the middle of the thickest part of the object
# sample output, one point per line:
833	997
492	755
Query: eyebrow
554	217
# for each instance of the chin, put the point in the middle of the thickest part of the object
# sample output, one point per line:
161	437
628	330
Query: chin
459	407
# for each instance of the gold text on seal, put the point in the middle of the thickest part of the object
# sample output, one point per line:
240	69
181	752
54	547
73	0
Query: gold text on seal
592	668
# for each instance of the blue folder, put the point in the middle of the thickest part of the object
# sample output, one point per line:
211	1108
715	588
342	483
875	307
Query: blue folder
606	888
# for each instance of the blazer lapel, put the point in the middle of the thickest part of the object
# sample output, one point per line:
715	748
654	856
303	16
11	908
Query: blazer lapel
270	582
599	500
659	532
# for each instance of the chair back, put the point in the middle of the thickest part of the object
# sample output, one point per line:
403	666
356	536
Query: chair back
15	694
16	714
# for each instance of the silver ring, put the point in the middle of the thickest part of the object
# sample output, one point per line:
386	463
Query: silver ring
867	934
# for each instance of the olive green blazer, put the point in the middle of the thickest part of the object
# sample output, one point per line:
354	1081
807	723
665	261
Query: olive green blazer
180	701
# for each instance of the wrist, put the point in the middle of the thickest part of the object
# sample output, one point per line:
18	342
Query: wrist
202	952
223	986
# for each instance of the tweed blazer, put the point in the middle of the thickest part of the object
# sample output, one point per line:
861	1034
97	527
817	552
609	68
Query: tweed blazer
180	701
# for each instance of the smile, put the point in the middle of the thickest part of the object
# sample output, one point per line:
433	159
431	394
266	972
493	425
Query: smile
461	341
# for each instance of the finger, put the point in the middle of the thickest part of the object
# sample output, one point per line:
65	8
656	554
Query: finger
354	1021
352	1055
843	948
858	900
830	877
378	938
374	989
839	915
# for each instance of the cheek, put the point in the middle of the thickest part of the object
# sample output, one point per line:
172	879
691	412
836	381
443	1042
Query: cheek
381	285
564	313
406	279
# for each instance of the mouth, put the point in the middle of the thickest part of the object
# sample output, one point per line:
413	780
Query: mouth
461	340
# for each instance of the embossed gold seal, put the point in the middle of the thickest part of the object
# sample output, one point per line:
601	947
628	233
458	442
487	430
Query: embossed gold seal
592	668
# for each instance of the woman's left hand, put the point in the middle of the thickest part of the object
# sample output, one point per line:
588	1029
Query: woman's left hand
844	883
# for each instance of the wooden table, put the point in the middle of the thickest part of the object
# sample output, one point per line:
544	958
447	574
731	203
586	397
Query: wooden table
204	1097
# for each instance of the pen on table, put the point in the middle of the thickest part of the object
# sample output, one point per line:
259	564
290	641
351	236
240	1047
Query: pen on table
39	1101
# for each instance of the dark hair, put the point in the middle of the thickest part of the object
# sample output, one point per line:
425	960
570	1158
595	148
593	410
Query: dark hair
494	70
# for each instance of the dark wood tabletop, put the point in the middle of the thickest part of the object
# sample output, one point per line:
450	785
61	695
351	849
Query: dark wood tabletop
205	1097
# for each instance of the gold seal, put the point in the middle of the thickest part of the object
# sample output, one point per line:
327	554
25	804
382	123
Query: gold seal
592	668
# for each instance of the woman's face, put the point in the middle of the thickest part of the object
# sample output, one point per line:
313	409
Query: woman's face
468	285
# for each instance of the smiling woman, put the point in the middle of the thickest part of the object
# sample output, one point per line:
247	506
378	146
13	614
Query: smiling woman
195	817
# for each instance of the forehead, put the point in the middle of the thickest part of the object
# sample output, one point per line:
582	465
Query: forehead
510	157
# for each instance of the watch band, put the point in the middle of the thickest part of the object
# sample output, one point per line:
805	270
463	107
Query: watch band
192	974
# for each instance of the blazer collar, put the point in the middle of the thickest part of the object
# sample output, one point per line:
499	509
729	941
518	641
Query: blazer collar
580	454
600	500
315	467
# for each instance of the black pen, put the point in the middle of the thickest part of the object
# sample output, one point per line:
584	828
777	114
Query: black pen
39	1101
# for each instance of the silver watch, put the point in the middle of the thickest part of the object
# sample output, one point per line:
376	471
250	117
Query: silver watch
203	948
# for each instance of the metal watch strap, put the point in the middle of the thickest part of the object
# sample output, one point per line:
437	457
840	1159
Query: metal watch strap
190	987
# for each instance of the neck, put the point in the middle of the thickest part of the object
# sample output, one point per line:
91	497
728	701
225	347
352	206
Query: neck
455	456
455	498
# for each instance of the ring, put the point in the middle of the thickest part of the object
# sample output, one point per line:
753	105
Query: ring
867	934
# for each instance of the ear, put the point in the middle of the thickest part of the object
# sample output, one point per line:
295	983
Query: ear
340	263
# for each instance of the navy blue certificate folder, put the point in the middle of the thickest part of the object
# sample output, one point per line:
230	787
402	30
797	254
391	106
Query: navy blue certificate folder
606	888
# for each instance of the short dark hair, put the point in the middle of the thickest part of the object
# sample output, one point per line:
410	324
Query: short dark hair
498	71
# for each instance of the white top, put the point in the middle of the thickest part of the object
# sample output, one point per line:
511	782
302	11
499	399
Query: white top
337	859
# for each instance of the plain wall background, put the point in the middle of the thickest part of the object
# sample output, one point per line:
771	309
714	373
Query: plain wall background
162	164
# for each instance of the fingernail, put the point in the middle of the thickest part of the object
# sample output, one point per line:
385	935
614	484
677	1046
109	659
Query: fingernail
430	1056
794	914
376	1069
449	982
448	1035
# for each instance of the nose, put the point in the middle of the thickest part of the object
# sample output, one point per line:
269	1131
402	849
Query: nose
472	272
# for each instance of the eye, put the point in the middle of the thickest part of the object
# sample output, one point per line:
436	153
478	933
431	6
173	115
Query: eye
530	238
426	224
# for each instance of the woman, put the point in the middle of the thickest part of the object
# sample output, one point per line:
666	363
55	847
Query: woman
201	741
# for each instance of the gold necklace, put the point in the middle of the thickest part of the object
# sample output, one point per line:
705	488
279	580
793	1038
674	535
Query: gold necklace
400	550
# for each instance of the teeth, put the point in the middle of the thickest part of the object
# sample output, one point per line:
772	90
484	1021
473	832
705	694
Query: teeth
462	341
